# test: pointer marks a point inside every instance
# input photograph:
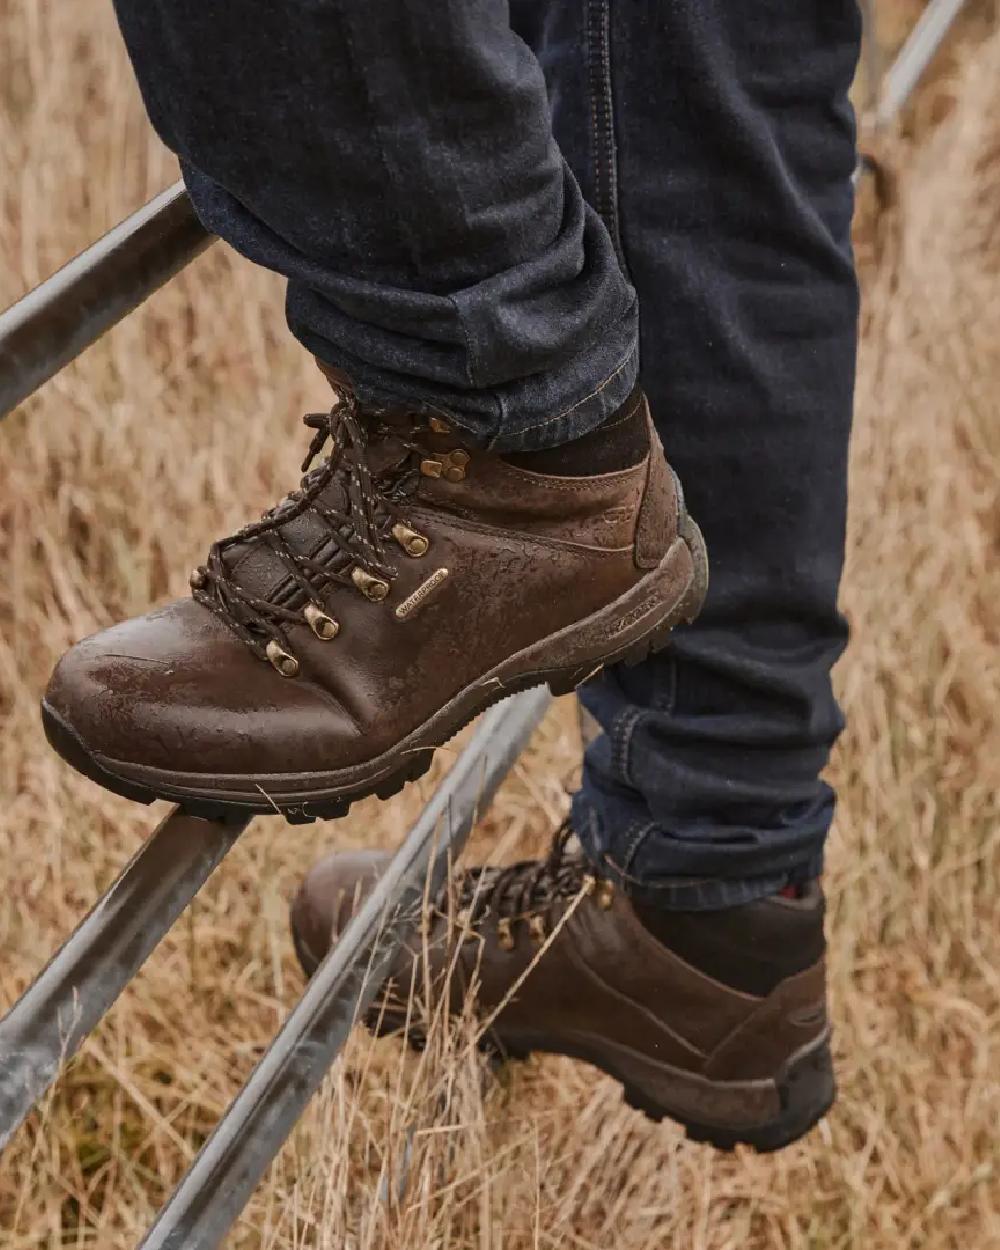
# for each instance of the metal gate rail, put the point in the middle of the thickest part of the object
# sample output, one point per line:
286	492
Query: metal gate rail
226	1171
54	323
40	334
69	997
916	54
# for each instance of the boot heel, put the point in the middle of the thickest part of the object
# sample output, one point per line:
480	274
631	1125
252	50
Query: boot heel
807	1089
694	600
689	607
686	610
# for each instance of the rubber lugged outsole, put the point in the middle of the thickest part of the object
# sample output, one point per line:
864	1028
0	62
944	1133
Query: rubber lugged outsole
62	738
806	1090
67	743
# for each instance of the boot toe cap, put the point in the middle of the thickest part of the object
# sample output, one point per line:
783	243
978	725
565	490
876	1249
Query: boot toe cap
177	690
103	690
327	899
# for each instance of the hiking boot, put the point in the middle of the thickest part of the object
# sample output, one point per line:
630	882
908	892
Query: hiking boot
410	581
719	1021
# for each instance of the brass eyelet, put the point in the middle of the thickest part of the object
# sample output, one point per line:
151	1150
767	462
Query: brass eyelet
451	466
413	544
605	895
505	935
323	626
287	665
454	465
373	588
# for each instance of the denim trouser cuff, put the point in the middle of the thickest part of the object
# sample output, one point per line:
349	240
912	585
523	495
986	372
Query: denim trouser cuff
537	411
637	858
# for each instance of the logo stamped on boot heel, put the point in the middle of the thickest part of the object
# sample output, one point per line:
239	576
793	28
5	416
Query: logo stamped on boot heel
632	618
421	594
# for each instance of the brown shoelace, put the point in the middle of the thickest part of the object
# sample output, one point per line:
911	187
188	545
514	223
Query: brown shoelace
527	891
359	528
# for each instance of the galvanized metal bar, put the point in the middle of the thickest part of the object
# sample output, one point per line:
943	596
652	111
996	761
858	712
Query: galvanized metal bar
82	980
871	60
53	324
222	1178
915	56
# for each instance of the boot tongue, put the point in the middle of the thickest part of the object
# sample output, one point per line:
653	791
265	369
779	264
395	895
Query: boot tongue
257	568
383	453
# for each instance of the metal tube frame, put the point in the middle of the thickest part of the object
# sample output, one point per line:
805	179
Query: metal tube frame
83	979
40	334
54	323
914	58
220	1181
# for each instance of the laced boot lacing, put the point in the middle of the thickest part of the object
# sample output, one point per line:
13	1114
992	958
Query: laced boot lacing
370	513
526	893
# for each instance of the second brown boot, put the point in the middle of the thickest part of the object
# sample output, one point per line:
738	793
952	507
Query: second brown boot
407	584
717	1020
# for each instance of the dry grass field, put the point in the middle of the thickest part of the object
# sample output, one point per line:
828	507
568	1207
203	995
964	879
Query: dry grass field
171	431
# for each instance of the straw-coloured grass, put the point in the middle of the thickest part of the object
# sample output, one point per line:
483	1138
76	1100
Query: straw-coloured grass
171	431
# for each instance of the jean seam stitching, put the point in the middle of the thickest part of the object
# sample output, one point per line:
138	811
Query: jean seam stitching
471	373
622	731
637	835
670	703
586	399
602	113
693	886
595	138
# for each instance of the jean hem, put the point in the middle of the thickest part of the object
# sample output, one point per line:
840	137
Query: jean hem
578	418
482	414
616	855
706	894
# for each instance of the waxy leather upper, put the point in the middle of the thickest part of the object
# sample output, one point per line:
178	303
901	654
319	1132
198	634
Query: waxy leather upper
604	978
525	555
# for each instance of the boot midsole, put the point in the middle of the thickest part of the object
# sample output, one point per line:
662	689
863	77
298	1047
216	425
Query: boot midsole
682	1095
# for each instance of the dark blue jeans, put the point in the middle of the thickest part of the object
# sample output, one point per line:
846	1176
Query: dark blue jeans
504	210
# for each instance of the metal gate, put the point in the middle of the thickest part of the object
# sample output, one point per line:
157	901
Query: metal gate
40	334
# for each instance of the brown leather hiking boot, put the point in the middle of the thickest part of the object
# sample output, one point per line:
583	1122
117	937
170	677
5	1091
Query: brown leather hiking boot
671	1019
410	582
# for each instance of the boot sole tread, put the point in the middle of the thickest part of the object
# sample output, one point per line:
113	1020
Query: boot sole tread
806	1089
71	747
